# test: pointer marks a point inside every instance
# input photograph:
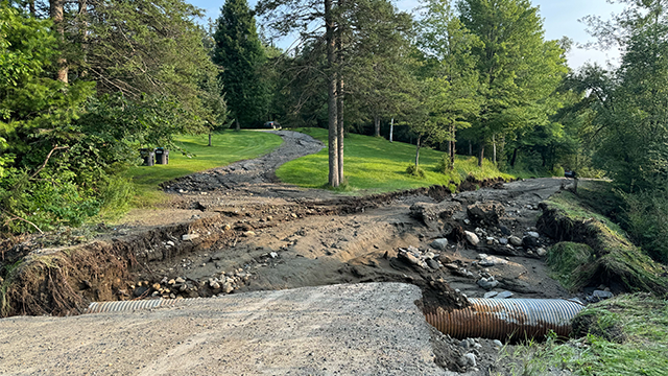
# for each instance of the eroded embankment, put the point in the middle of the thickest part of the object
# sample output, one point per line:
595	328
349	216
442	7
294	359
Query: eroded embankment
63	281
608	258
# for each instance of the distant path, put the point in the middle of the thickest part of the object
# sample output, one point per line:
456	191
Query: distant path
246	173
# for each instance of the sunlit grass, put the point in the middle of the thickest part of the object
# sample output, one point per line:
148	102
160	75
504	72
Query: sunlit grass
228	147
376	165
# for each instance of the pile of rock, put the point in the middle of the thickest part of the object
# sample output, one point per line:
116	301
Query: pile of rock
181	287
425	259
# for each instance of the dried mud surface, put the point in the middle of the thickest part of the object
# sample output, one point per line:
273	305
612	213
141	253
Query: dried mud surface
237	229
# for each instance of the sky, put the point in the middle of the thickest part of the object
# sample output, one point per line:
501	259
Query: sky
561	18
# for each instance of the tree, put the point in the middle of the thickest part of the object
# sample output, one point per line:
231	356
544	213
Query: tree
240	53
452	79
517	68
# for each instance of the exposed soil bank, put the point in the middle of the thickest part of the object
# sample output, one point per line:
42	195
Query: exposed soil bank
614	260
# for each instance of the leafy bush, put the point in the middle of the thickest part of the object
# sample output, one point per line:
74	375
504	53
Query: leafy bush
415	171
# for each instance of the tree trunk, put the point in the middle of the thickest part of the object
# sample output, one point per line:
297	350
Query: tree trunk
453	145
210	144
83	26
470	148
482	154
331	96
376	126
494	149
340	130
514	158
56	13
417	153
391	129
237	126
31	7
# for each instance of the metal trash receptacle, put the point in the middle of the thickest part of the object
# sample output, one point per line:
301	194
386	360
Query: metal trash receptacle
148	155
161	156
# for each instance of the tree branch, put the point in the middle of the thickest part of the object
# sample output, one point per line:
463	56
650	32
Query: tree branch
47	159
23	219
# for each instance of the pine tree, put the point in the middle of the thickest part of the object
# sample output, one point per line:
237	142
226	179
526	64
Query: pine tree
238	50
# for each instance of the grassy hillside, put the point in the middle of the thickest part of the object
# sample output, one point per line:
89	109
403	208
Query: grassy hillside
227	147
376	165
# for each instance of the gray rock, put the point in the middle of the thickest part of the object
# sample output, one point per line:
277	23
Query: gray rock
433	264
541	252
514	240
533	234
490	240
273	254
467	360
467	343
472	238
189	236
503	241
488	284
530	241
227	287
498	343
490	295
488	212
491	261
504	295
440	244
600	294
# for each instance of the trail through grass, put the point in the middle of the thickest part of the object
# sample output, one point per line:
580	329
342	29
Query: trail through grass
376	165
228	147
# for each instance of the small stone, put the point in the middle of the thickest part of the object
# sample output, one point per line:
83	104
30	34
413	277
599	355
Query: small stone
601	294
440	244
467	221
467	360
514	240
467	343
156	286
541	252
472	238
503	241
504	295
433	264
482	256
490	295
498	343
490	240
180	280
189	236
293	215
269	218
273	255
227	227
504	230
170	243
214	285
452	266
248	234
227	287
533	234
487	284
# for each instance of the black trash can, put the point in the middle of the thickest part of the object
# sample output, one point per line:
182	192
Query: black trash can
161	156
148	155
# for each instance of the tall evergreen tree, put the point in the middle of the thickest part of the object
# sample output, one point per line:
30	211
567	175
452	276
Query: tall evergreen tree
239	52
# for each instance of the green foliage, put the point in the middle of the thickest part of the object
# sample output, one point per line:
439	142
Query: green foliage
240	53
639	318
415	171
646	219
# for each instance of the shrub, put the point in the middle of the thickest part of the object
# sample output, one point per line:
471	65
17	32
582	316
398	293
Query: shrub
415	171
646	221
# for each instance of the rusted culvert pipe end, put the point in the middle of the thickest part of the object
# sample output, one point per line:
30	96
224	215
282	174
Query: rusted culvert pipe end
506	319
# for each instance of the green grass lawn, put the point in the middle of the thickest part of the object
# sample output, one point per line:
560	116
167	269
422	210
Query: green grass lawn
228	147
375	165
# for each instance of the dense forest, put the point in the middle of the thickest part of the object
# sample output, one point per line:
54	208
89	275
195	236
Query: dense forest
84	84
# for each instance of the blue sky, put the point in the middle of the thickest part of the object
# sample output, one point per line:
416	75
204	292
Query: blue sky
561	19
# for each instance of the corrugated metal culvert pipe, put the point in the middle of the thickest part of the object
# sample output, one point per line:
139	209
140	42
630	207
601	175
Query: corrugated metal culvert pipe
504	319
131	305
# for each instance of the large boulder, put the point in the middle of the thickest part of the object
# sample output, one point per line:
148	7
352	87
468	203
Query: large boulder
433	215
488	212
